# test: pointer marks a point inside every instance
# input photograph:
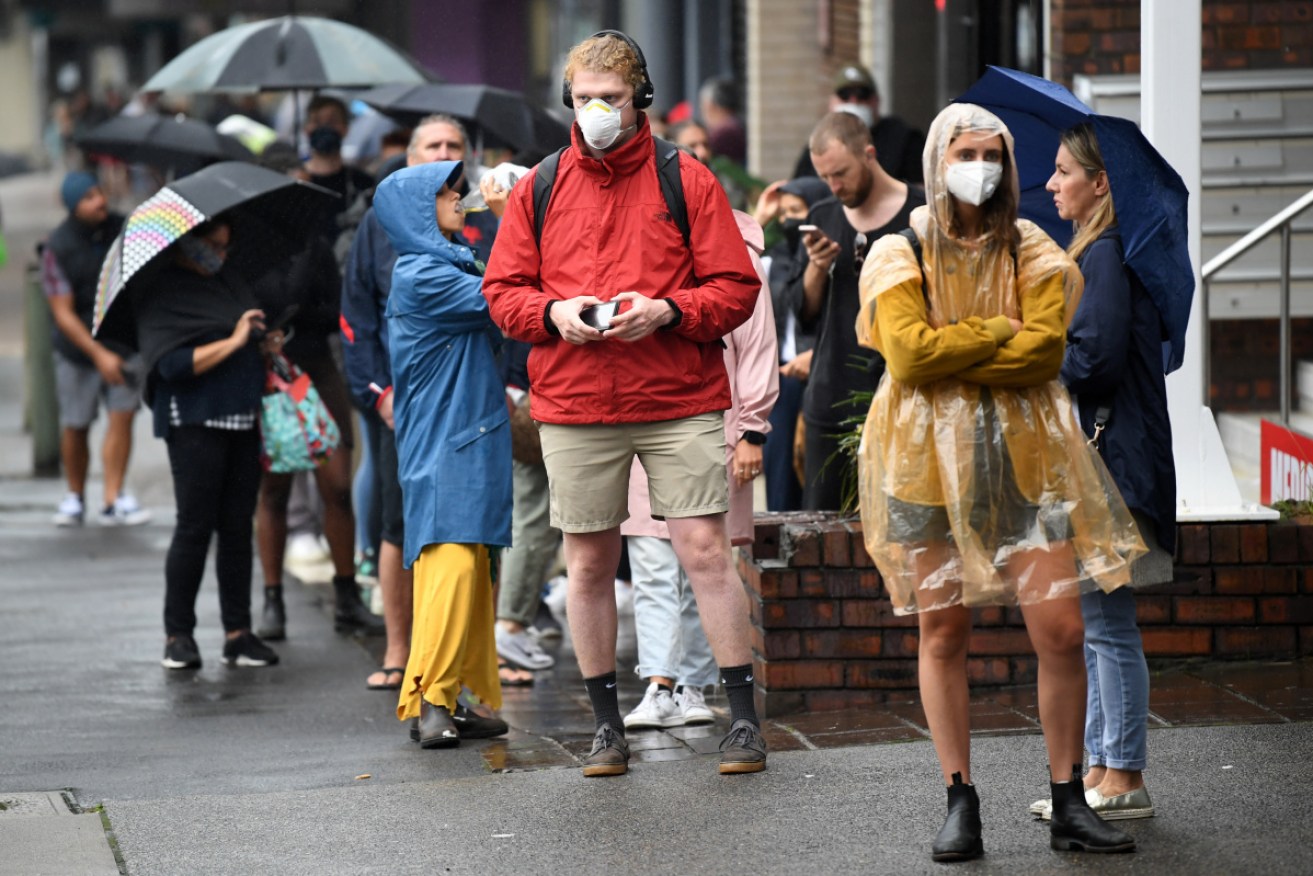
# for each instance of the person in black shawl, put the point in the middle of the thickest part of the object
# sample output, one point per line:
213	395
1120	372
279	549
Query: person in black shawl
199	326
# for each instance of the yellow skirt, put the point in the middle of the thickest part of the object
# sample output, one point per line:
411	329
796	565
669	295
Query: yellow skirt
452	640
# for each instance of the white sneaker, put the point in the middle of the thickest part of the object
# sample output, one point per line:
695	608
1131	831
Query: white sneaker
693	705
125	511
70	511
657	710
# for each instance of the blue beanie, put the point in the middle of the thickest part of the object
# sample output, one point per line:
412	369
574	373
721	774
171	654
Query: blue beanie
75	187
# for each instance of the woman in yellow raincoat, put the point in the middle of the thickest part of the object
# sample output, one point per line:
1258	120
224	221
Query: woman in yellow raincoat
976	483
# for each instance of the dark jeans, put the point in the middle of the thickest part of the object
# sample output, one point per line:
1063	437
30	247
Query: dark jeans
783	492
216	479
387	481
829	472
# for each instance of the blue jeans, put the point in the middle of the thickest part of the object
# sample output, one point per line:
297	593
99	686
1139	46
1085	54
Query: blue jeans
671	643
1117	713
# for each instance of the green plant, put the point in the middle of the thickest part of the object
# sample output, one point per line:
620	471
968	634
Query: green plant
850	442
1293	508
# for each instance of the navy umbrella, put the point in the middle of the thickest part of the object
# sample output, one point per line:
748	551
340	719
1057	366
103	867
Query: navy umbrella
1149	195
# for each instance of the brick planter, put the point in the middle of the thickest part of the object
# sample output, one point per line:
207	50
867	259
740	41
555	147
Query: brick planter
824	635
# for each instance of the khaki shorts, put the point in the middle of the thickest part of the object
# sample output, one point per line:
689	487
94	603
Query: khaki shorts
588	470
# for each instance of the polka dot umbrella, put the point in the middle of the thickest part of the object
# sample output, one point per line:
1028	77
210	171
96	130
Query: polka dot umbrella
269	213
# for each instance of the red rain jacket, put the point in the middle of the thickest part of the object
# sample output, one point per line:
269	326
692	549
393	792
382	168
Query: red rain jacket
608	231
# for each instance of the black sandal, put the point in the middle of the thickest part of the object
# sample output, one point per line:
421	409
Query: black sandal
388	672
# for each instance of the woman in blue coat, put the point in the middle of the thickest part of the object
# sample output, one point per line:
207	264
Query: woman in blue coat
1114	369
453	448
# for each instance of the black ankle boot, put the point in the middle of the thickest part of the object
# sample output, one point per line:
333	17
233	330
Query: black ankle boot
1078	828
273	620
959	838
351	614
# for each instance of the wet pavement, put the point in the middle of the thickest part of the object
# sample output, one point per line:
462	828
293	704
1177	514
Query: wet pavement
552	724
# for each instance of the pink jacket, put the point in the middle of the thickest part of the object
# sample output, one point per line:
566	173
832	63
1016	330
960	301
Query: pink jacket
752	362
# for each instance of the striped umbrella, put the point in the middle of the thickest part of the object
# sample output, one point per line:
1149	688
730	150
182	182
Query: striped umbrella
268	210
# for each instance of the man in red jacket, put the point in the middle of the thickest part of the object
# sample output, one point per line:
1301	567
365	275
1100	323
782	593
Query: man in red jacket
650	381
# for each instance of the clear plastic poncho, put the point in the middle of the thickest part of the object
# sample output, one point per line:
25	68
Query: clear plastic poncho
976	483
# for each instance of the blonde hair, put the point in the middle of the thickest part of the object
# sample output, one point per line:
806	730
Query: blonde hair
605	54
1084	148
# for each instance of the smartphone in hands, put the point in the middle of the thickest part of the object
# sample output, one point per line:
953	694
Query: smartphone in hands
599	316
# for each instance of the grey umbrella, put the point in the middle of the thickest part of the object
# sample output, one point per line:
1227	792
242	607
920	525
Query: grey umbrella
286	53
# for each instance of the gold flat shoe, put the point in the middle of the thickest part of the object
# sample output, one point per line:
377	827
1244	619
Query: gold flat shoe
1132	804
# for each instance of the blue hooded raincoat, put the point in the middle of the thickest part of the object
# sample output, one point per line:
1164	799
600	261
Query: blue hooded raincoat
452	425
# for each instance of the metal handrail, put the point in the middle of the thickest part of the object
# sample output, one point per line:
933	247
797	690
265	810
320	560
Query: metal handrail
1281	223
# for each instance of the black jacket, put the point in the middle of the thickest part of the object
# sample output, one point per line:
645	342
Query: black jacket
79	250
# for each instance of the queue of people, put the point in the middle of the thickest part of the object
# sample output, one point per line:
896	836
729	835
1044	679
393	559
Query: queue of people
634	356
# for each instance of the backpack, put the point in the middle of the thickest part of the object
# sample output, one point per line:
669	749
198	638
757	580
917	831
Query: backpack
672	187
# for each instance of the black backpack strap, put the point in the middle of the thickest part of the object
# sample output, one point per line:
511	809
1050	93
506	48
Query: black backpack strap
544	179
667	165
910	236
672	185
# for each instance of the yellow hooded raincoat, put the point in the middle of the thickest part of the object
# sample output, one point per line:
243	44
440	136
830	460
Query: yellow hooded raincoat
977	486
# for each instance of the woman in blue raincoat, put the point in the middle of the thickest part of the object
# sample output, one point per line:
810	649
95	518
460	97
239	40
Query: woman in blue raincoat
454	452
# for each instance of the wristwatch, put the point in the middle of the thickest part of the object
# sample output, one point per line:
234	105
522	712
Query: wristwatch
754	437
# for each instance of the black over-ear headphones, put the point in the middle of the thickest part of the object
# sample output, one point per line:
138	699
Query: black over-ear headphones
642	95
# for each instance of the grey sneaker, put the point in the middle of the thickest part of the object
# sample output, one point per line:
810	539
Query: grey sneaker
610	754
743	750
522	650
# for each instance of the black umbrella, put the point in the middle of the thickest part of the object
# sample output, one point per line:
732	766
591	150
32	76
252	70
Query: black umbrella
268	211
162	141
286	53
495	116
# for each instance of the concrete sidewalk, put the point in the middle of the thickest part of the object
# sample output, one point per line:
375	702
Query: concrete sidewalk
264	771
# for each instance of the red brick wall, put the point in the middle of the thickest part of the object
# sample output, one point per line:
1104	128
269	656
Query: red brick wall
1245	356
824	635
1103	36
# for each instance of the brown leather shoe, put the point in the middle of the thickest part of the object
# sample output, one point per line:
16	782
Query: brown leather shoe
436	729
610	754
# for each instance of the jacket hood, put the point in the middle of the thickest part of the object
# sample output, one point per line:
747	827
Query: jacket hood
404	203
957	119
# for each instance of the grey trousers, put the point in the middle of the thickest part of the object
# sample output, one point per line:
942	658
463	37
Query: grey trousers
524	565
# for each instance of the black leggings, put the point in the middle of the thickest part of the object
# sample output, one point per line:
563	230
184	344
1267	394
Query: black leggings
216	479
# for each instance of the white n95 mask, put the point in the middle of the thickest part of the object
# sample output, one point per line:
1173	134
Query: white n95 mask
973	181
599	122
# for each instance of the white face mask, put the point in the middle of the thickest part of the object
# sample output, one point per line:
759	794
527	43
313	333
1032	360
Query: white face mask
973	181
861	110
599	122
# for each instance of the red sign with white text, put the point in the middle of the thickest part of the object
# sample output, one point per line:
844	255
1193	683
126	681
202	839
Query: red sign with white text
1287	461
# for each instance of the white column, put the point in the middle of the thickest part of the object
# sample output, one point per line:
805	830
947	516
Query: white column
1171	61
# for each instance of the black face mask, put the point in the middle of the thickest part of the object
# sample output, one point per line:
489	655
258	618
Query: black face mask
326	140
792	234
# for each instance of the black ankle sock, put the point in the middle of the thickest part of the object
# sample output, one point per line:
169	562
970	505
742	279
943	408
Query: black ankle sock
665	687
738	687
606	705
